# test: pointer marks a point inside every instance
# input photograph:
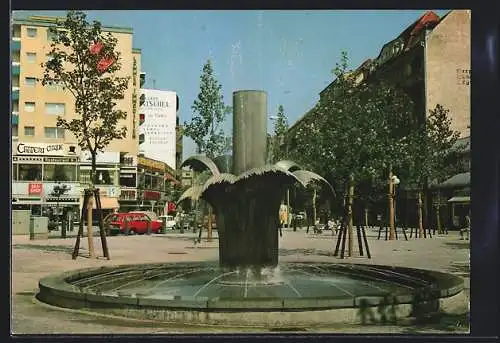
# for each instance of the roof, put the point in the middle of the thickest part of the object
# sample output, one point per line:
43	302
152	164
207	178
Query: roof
48	21
136	50
458	180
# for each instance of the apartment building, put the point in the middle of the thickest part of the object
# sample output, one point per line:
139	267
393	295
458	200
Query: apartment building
431	61
44	154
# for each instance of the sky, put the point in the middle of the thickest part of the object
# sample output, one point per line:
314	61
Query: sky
289	54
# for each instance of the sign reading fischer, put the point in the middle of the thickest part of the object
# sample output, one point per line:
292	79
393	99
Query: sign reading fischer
40	149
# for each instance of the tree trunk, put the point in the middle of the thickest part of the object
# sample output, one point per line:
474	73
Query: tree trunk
366	217
209	223
93	179
314	208
438	214
350	200
392	226
420	216
89	229
288	212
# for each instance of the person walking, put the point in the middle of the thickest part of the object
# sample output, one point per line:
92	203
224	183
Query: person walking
466	228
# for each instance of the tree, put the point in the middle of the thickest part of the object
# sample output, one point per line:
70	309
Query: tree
280	130
205	128
84	60
357	132
432	152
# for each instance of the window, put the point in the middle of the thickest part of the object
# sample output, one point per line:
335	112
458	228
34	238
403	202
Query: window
31	32
104	176
30	172
14	172
128	179
15	130
29	130
55	108
50	35
30	81
55	86
54	132
31	57
59	172
29	106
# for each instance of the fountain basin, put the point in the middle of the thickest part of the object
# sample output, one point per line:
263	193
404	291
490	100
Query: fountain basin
294	294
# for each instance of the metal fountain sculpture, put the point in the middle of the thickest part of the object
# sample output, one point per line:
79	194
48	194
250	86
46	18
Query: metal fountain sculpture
246	199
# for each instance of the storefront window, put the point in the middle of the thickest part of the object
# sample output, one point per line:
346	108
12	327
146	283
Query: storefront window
154	183
141	180
148	182
30	172
104	176
128	179
59	172
14	172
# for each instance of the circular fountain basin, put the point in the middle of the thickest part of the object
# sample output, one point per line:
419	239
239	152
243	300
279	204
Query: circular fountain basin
293	294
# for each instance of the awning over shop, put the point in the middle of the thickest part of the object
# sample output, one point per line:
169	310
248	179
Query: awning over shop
459	180
460	199
106	203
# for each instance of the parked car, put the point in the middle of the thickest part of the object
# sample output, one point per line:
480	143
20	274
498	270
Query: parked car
135	223
170	222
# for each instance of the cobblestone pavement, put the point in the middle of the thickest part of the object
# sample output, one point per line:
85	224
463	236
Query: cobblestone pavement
33	260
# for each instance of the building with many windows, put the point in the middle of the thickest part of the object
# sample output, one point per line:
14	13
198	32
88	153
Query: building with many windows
44	154
431	61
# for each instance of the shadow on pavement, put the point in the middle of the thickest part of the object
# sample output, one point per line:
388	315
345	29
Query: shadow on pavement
459	244
49	248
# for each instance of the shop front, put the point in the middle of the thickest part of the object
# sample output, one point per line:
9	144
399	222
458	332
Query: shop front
45	179
107	180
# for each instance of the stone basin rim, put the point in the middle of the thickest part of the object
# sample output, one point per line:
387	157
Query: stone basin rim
446	285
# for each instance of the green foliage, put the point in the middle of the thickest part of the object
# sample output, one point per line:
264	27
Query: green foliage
278	150
96	92
356	131
432	150
210	112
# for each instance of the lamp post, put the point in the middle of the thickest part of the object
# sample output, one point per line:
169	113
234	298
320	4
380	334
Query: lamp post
393	182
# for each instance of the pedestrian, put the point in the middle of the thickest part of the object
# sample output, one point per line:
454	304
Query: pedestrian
466	228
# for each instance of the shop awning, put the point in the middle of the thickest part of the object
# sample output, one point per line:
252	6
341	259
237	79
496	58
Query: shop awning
460	199
106	203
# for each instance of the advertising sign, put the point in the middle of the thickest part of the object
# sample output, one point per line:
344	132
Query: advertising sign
160	114
45	149
105	157
35	188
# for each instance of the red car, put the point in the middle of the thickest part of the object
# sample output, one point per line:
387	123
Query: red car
135	223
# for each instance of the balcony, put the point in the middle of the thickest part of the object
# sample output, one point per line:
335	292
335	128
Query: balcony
15	94
16	69
15	119
15	45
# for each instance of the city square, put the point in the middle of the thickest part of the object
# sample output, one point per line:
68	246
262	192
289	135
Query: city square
33	260
181	209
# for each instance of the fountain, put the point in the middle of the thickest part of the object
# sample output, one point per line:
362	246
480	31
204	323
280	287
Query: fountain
248	286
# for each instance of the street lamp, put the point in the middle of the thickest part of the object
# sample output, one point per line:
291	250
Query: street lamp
393	182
